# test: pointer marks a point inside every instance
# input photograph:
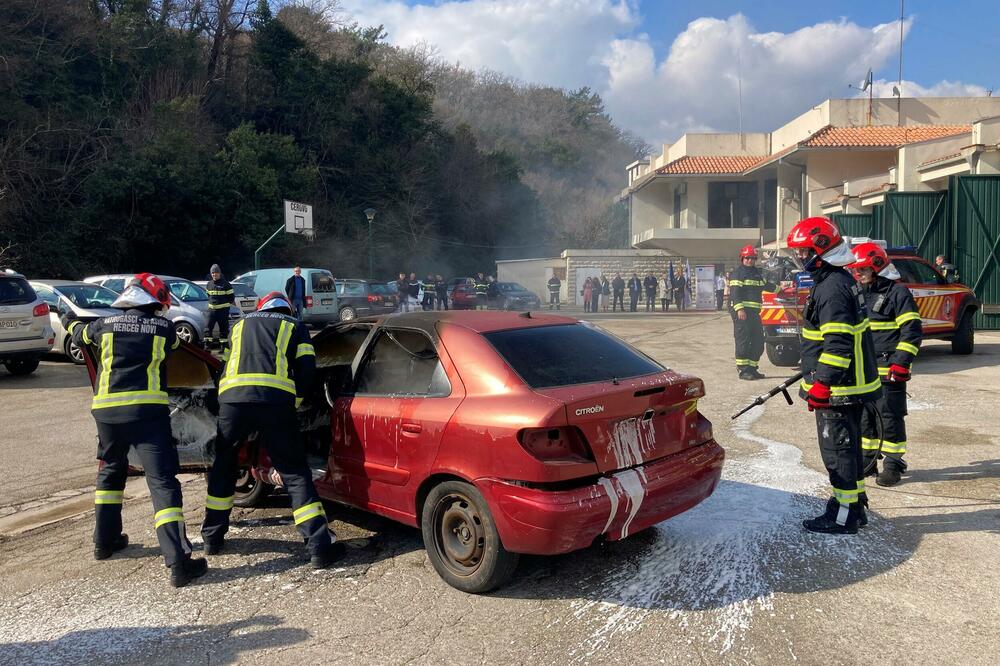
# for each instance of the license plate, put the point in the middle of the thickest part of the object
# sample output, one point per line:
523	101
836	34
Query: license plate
8	323
326	301
788	329
249	303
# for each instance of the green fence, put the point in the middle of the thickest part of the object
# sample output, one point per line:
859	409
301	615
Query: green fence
975	212
920	220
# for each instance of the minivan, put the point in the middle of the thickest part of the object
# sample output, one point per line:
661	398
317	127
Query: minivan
321	295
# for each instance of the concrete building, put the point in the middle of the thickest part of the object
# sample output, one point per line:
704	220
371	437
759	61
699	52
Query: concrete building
709	194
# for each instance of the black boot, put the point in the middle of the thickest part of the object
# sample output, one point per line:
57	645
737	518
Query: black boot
187	570
214	547
755	373
893	468
826	523
744	374
104	552
863	510
332	553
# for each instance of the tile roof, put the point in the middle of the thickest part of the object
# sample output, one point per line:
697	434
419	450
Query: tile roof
874	190
880	136
943	158
711	164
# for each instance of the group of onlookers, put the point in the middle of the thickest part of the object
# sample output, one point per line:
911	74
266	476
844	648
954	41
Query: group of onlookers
597	292
431	293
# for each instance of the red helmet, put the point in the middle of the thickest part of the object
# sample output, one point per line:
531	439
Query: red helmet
748	251
274	301
822	237
870	255
155	287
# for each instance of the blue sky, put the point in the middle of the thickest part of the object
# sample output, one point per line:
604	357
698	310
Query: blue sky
668	66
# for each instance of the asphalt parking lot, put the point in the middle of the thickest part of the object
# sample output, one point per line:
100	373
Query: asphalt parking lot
735	580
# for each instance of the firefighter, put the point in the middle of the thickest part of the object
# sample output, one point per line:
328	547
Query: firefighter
555	284
745	288
220	297
896	332
947	269
482	292
839	372
131	410
269	367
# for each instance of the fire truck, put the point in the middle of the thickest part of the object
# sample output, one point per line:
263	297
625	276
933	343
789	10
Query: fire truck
946	309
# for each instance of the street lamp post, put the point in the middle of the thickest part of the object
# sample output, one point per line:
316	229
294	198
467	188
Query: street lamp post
370	214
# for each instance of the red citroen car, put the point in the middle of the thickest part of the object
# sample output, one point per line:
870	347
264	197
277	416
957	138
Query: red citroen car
495	433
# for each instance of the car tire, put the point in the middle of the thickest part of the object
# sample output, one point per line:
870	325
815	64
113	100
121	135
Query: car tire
783	356
21	366
250	491
347	313
964	340
186	332
462	541
73	352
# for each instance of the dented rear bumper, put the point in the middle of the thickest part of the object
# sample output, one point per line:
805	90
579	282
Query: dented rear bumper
546	522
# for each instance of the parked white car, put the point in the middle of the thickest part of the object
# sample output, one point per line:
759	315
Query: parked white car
189	321
25	333
86	301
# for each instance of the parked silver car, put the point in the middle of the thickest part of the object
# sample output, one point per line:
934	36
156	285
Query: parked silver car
86	301
25	333
189	321
236	310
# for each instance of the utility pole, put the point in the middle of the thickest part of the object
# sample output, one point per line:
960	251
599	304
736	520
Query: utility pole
899	81
370	215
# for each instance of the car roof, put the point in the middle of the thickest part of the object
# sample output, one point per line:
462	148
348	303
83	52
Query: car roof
64	283
478	321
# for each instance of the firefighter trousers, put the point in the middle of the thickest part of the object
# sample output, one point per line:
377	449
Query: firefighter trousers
220	318
839	433
891	407
154	444
749	335
278	428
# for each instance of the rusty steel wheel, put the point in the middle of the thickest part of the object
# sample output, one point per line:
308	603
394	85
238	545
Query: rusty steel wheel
462	541
249	490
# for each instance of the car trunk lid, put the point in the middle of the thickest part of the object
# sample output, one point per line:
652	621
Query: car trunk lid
637	420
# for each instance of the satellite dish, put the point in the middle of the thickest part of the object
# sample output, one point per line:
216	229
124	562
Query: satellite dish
895	91
867	83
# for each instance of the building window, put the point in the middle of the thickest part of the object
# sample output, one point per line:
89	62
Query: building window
732	205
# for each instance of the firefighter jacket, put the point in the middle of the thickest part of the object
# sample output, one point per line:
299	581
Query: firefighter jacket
482	288
220	294
131	383
745	287
271	361
895	324
554	285
837	347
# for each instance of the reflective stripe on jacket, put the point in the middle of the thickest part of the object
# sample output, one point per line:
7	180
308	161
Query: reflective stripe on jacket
745	288
131	381
220	294
270	360
836	342
895	324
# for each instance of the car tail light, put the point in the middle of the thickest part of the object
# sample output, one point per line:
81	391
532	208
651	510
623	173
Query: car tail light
372	299
41	310
704	427
565	444
309	301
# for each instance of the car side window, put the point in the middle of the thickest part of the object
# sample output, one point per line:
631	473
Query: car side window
48	296
925	274
904	266
403	362
116	285
353	289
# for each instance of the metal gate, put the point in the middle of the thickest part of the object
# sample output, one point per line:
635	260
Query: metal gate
920	220
854	224
976	214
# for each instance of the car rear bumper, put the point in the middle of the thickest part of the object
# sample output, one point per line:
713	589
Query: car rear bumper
26	348
546	522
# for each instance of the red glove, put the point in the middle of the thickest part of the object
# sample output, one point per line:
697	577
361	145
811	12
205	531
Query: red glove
898	373
818	396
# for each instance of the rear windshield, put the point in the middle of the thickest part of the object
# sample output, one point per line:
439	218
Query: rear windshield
188	292
380	288
322	282
550	356
15	291
243	290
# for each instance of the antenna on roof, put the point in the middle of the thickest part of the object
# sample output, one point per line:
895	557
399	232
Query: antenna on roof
863	86
899	83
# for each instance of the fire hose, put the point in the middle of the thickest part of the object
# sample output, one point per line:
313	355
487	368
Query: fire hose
783	387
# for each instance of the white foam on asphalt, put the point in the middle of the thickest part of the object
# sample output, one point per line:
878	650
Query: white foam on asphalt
713	569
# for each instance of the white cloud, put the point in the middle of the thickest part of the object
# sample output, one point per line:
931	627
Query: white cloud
884	88
599	43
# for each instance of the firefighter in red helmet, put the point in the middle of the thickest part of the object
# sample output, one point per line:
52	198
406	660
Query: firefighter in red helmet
896	334
131	410
838	365
269	368
745	287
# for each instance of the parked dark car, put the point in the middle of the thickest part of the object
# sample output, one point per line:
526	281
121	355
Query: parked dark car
364	298
513	296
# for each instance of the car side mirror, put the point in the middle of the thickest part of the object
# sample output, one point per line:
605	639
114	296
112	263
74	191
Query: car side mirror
61	308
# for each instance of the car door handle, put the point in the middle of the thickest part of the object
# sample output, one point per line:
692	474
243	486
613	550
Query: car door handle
411	428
